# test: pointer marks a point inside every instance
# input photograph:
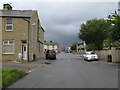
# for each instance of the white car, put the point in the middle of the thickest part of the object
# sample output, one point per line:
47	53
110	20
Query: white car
90	55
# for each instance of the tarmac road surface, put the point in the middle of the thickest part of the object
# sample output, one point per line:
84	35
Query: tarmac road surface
70	71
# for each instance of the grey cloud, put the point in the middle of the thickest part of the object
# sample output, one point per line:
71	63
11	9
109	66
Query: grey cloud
61	21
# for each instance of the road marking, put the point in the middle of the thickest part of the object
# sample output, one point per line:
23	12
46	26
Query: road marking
31	70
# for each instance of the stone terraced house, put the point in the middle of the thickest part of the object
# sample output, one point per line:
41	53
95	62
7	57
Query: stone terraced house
21	35
52	46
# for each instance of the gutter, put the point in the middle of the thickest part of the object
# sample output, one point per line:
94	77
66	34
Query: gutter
42	29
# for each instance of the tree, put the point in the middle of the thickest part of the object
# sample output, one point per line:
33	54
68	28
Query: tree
90	47
107	43
73	46
114	19
94	32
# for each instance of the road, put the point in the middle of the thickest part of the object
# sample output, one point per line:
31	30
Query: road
70	71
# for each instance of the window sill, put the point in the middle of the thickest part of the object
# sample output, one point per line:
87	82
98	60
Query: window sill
8	31
8	53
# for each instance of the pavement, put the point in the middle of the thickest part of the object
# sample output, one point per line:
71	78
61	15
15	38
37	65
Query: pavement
28	66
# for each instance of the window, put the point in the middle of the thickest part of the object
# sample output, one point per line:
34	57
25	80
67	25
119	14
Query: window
53	46
9	24
8	47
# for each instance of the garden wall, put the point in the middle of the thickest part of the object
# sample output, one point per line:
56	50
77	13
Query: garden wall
115	52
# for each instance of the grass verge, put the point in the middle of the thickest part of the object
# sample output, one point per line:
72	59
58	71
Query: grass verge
11	75
0	78
44	55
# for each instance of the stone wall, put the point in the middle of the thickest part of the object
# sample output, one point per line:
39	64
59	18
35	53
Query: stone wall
20	27
103	54
0	41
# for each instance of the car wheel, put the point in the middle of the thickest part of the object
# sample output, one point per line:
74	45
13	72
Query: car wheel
96	59
84	59
46	57
54	57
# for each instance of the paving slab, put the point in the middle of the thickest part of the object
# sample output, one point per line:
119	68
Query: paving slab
24	66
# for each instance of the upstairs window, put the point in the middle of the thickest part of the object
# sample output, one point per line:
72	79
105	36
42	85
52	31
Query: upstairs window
9	25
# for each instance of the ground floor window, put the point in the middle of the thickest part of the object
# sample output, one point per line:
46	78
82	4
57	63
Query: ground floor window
8	46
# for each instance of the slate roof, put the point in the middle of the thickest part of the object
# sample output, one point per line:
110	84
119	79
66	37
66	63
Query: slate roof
16	13
51	43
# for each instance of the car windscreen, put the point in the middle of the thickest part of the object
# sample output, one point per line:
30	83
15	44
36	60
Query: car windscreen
92	53
51	51
89	53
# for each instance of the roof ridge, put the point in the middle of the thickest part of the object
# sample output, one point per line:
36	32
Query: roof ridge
17	13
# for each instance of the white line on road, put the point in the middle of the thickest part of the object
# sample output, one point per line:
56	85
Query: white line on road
31	70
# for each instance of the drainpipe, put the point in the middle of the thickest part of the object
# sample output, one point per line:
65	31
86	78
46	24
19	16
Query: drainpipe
28	37
28	40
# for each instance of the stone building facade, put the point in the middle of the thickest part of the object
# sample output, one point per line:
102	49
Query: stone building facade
22	36
52	46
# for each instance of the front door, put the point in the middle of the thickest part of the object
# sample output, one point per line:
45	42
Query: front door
24	51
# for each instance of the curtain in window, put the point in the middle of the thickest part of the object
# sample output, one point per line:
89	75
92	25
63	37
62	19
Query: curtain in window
8	49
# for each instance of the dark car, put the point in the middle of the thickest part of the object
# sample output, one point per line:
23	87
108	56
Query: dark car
50	54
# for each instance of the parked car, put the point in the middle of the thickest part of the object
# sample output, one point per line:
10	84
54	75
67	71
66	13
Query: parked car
50	54
90	56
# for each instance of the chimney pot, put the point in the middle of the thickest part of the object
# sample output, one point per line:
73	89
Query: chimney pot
7	7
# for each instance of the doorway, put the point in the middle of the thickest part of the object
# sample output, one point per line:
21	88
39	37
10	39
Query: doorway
24	50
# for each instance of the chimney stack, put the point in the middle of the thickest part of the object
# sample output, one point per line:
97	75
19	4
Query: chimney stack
7	7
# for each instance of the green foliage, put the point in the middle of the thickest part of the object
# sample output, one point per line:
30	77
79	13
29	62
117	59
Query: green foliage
73	46
107	43
90	47
9	76
114	19
0	78
115	44
94	32
99	33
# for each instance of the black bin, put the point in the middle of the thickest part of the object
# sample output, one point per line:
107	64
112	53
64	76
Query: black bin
34	57
109	58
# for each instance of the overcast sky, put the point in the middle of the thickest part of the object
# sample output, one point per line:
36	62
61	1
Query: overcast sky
62	20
